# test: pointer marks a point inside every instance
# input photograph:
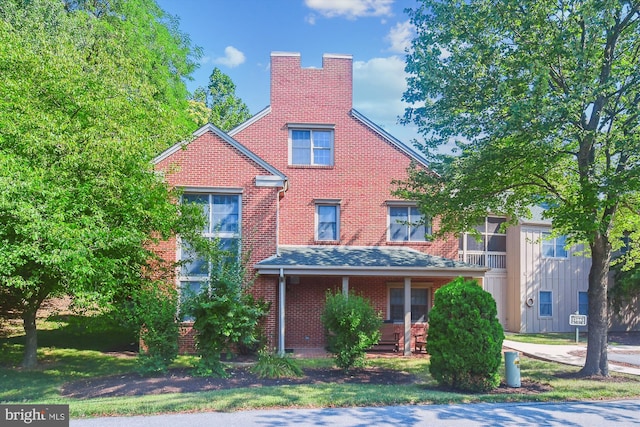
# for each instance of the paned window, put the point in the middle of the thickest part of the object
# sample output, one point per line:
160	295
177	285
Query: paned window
419	304
546	304
583	303
492	238
553	247
222	224
327	222
407	224
311	147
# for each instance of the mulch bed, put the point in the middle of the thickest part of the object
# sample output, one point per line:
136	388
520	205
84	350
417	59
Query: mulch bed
180	381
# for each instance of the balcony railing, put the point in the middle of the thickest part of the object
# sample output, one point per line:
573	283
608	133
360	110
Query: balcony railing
485	259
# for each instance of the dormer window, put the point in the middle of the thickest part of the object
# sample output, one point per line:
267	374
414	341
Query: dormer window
311	145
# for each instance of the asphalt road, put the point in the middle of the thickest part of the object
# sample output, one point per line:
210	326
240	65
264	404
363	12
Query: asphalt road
567	414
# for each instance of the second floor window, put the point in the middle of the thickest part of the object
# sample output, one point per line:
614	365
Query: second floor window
327	222
553	247
407	224
313	147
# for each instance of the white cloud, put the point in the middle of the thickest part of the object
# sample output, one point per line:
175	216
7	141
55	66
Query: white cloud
400	37
351	9
232	57
378	86
310	19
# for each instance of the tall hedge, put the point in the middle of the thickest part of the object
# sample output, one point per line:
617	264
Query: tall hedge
465	337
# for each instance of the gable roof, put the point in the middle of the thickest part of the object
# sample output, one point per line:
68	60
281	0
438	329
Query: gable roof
251	120
406	149
228	139
363	260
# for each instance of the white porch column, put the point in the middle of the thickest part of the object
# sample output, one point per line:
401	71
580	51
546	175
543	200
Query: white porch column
407	316
345	286
281	299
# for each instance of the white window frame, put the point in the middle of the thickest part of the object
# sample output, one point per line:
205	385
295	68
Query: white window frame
428	225
313	129
546	316
326	203
553	242
186	280
424	285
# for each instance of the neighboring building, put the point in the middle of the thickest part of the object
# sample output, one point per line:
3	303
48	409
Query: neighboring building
305	187
536	282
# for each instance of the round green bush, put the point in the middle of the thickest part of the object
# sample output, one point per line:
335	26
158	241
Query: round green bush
352	326
465	337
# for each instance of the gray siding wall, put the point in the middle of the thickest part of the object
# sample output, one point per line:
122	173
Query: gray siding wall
495	282
563	277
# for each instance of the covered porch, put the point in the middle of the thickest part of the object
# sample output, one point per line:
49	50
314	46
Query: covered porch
399	281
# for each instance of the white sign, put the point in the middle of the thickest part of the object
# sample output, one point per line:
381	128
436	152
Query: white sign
577	320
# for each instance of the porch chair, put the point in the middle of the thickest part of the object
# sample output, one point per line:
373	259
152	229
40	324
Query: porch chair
419	338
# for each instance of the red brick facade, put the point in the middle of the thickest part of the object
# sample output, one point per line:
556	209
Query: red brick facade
364	165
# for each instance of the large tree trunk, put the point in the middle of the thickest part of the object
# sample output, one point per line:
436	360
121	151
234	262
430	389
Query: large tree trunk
29	358
598	320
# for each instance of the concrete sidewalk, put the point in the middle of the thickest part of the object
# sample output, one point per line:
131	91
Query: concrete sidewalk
574	354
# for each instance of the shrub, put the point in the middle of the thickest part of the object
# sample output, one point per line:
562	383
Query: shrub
465	337
225	316
155	310
352	327
271	365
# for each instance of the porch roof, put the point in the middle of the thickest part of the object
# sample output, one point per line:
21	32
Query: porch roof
363	261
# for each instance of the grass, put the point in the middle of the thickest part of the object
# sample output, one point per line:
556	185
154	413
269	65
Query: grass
568	338
61	361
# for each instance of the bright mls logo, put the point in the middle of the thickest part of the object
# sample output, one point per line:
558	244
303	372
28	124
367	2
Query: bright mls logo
37	415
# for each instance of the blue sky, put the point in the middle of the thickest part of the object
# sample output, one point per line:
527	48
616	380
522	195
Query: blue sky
238	37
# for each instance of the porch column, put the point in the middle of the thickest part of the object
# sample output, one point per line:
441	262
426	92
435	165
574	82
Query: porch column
281	296
407	316
345	286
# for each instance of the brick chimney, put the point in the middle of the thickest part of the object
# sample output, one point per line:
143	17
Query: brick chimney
303	92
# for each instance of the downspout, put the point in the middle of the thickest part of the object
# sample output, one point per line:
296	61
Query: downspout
285	187
281	305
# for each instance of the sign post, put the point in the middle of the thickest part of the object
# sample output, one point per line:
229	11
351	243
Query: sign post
577	320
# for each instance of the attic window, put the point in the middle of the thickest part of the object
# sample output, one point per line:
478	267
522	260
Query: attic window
311	146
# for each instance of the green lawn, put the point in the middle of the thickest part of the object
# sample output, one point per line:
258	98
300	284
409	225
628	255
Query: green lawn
75	349
548	338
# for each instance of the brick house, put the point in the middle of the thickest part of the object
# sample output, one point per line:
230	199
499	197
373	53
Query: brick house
305	188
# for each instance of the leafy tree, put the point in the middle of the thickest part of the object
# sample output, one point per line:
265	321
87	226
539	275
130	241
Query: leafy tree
541	98
465	337
219	102
90	92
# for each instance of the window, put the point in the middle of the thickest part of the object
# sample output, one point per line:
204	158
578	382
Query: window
407	224
222	214
327	222
492	239
546	306
311	147
553	247
419	304
583	303
489	249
